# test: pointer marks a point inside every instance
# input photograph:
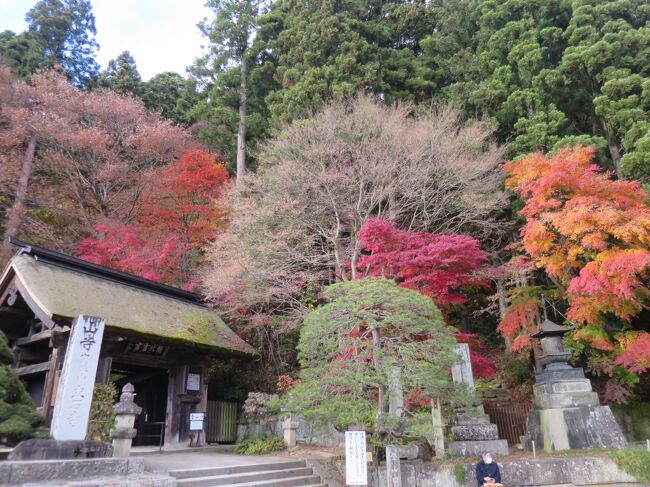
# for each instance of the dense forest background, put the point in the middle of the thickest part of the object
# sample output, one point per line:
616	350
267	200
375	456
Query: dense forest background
352	96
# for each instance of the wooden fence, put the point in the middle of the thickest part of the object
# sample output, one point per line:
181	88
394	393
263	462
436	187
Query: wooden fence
510	419
221	422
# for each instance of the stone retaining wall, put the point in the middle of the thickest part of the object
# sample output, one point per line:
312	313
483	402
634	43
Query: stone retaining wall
574	472
87	472
308	433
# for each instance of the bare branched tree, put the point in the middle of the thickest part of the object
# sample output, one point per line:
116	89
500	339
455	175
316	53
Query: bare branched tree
294	223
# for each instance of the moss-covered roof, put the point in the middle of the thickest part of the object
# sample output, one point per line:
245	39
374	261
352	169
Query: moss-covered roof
62	292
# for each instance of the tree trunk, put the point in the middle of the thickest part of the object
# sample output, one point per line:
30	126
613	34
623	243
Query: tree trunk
381	393
241	133
501	293
15	213
614	151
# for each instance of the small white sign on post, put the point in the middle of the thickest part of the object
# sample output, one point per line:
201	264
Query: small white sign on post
356	468
75	391
193	382
196	421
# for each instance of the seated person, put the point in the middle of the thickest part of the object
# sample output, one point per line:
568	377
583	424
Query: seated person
487	471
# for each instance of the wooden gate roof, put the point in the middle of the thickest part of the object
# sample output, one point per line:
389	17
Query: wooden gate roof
63	287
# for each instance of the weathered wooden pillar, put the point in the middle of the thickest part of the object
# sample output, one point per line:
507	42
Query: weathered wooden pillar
103	370
175	388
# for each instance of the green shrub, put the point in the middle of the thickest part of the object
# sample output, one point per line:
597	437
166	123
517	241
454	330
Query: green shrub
634	461
18	417
260	446
102	416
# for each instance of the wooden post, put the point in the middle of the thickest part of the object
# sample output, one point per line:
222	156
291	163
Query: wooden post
103	370
50	384
438	428
395	408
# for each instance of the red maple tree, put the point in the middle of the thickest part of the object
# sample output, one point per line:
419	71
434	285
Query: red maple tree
178	215
436	265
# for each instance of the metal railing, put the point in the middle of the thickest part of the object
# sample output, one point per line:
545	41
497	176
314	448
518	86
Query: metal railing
510	419
160	435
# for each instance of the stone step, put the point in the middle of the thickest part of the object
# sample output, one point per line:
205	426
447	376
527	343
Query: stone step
243	478
234	469
308	481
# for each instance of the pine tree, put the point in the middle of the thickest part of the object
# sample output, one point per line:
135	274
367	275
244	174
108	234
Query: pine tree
122	75
18	417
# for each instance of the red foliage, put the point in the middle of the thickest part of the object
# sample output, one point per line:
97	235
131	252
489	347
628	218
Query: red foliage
636	355
416	400
286	383
177	217
519	321
132	248
435	265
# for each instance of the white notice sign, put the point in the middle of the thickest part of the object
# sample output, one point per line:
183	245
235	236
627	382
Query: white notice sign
193	382
75	391
196	421
356	468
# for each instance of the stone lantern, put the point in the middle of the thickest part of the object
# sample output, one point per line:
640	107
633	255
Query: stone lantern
567	413
125	412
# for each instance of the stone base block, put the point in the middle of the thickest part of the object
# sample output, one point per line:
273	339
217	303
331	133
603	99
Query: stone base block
480	432
575	428
52	471
564	394
475	448
414	452
44	449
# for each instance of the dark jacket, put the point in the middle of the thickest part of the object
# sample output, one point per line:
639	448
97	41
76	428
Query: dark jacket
487	470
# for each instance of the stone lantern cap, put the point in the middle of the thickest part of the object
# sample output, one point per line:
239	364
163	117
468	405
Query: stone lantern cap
549	329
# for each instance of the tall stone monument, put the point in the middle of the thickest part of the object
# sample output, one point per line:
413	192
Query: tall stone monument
567	413
75	391
73	398
472	431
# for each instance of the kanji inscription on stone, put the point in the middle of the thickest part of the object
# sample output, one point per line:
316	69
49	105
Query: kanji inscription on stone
75	391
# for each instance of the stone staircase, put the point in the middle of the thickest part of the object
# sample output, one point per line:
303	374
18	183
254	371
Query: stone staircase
276	474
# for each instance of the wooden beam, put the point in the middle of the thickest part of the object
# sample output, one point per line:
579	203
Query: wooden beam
50	383
33	369
40	314
30	355
36	337
17	312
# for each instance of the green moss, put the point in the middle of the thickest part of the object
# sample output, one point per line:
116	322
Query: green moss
261	446
634	461
459	472
634	419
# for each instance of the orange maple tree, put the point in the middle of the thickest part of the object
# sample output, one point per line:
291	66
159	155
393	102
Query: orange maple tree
591	235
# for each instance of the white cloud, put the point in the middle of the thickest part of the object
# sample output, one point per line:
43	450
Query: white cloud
160	34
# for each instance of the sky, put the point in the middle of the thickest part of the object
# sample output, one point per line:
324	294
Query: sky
160	34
